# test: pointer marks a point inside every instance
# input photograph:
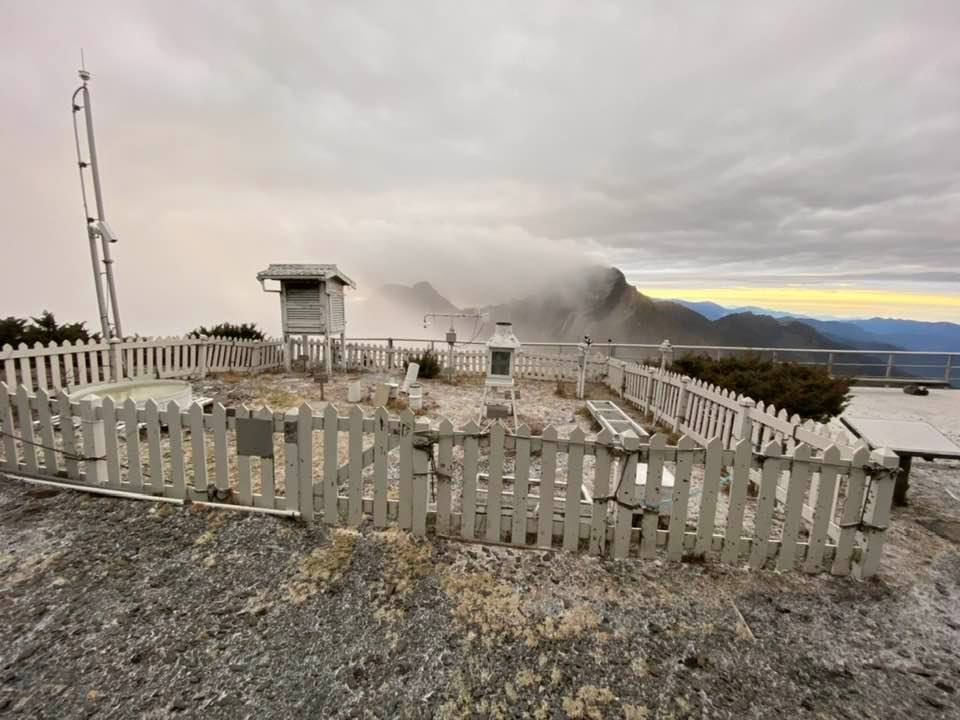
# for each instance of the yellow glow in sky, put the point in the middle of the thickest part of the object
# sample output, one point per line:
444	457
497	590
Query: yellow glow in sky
840	302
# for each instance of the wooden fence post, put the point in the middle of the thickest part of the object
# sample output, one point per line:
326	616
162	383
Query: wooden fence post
876	513
651	385
305	461
680	419
744	421
202	351
116	365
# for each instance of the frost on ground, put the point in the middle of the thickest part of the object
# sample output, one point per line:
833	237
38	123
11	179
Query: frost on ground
120	609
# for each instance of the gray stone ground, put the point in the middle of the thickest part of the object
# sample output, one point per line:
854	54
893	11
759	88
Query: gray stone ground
123	609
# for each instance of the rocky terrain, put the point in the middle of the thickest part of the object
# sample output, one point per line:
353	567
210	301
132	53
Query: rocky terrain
120	609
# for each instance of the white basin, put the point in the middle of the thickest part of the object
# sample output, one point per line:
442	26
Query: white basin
160	391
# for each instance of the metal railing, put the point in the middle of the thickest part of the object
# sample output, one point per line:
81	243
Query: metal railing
893	365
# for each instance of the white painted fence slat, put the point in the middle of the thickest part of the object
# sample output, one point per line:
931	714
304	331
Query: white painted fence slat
708	500
680	498
305	461
444	474
331	512
221	468
548	472
876	515
518	529
626	485
152	419
175	434
291	477
766	500
822	516
739	482
10	461
41	367
852	509
650	518
471	456
108	412
26	377
380	448
131	427
601	488
796	494
495	482
422	456
45	420
9	369
198	448
571	512
25	419
68	436
355	487
405	507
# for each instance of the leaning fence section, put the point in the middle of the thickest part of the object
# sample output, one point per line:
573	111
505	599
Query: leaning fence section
606	495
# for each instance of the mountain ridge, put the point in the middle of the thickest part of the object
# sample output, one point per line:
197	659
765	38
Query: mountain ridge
876	333
601	303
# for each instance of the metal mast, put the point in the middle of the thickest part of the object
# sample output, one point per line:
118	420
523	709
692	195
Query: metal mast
96	226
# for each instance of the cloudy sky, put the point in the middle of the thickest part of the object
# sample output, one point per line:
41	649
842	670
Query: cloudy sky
801	155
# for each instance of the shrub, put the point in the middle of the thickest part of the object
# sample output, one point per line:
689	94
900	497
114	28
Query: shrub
241	331
43	329
806	390
429	363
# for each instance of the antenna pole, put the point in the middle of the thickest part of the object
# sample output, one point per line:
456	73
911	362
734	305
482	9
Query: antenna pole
98	199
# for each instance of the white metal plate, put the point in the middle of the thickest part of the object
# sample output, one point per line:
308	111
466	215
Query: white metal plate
909	437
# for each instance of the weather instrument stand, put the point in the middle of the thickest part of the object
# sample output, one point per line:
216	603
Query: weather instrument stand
451	338
494	408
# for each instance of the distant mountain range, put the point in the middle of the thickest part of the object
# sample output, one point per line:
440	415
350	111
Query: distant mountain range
870	334
598	302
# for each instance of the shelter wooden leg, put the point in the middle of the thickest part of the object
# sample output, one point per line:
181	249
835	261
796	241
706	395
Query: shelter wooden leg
903	480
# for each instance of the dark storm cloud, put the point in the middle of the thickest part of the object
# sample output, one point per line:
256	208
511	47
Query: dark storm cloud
482	146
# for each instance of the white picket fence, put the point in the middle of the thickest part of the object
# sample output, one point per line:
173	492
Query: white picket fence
533	364
70	366
708	413
703	411
573	493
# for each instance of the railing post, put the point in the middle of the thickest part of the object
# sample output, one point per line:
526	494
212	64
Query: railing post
389	353
889	365
948	371
202	352
830	364
744	421
876	513
681	417
666	355
116	362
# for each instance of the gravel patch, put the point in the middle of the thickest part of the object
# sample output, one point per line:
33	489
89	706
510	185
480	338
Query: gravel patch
113	608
